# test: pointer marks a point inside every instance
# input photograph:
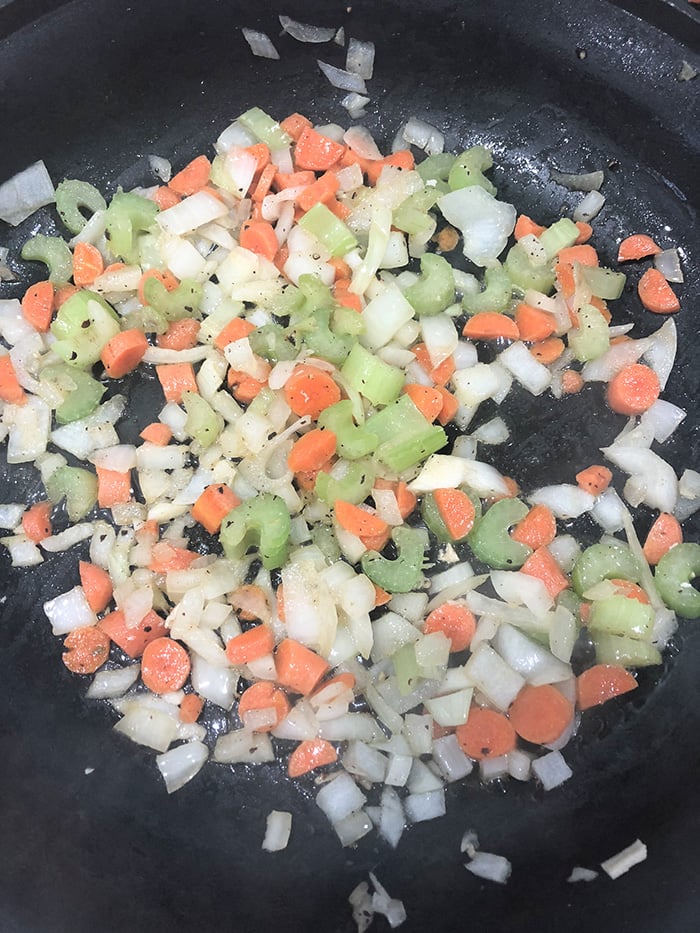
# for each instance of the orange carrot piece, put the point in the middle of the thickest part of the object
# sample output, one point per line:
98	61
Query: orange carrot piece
259	237
585	232
113	487
583	254
321	191
637	246
656	294
294	125
262	696
249	646
191	707
533	324
264	183
165	197
601	683
96	584
405	499
37	305
381	596
213	506
486	734
157	433
629	590
62	294
10	389
343	295
87	263
547	351
87	650
441	374
571	382
176	378
166	278
132	640
664	534
402	159
342	269
542	565
491	325
456	510
243	387
36	521
166	557
312	450
455	621
309	391
594	479
427	399
309	755
524	226
165	665
123	353
192	178
236	329
180	335
537	529
359	521
298	667
601	305
376	542
540	714
633	390
284	180
261	154
315	151
449	407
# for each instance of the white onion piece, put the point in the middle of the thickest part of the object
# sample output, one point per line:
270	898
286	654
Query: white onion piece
148	726
68	538
11	514
181	764
278	829
25	192
446	471
662	418
537	665
450	759
613	360
490	867
519	764
660	352
494	677
656	481
584	181
107	685
243	746
161	168
69	611
581	874
551	770
424	136
359	59
29	427
23	552
522	589
440	337
565	500
608	511
589	207
493	432
260	43
531	374
669	265
304	32
190	213
13	326
214	683
121	458
361	141
427	806
355	105
621	863
343	80
340	797
484	222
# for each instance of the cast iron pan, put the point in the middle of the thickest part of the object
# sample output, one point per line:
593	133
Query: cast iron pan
91	87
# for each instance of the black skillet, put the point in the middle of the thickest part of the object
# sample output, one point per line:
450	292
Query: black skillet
94	85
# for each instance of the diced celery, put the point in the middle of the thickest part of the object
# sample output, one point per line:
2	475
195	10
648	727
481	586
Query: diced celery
271	343
405	573
561	234
406	436
412	215
262	522
674	577
604	561
525	274
78	487
324	539
352	441
591	338
436	168
497	294
604	283
54	253
469	168
74	196
329	229
351	481
376	380
435	290
174	305
435	522
83	392
265	128
490	539
128	215
203	423
621	615
83	326
316	294
623	650
347	322
285	302
315	333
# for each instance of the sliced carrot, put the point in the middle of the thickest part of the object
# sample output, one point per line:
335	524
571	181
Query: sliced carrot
405	499
525	226
312	450
542	565
176	378
166	557
633	390
601	683
249	646
656	294
115	267
295	124
180	335
284	180
87	263
427	399
309	755
537	529
213	505
584	254
486	734
338	209
341	268
629	590
157	433
637	246
165	665
321	191
376	542
191	707
236	329
594	479
533	324
315	151
298	667
585	232
664	534
243	387
264	183
37	305
449	408
250	602
402	159
192	178
36	521
262	696
10	389
455	621
167	279
261	154
88	649
96	584
601	306
491	325
547	351
571	382
440	374
123	353
113	487
358	521
165	197
62	294
381	597
456	510
309	391
132	639
346	298
540	714
259	237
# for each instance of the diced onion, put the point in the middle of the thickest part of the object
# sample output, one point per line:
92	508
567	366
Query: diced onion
181	764
277	830
304	32
343	80
260	43
587	181
25	192
589	207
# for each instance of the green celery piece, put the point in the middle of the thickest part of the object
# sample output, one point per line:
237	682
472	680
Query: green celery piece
525	274
78	487
353	441
469	168
74	196
604	283
315	333
347	322
148	319
496	296
329	229
351	481
316	294
54	253
267	129
271	343
262	402
411	216
623	650
620	615
560	235
180	303
406	668
324	539
84	392
83	326
203	423
436	169
604	561
674	575
591	338
434	520
435	290
405	573
262	522
285	302
406	437
376	380
490	538
128	215
571	601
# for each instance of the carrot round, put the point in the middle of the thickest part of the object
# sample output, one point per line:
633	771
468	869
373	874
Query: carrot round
180	335
594	479
309	391
157	433
638	246
250	645
486	734
165	665
455	621
456	510
359	521
264	695
10	389
192	178
191	707
36	521
540	714
298	667
87	649
309	755
571	382
259	237
602	682
312	451
533	324
547	351
124	352
663	535
656	294
491	325
96	584
37	305
537	529
132	640
634	389
213	506
87	263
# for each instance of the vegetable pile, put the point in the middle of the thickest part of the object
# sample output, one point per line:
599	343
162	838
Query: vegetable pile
306	536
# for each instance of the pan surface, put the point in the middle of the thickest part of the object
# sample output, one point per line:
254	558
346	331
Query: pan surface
92	87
